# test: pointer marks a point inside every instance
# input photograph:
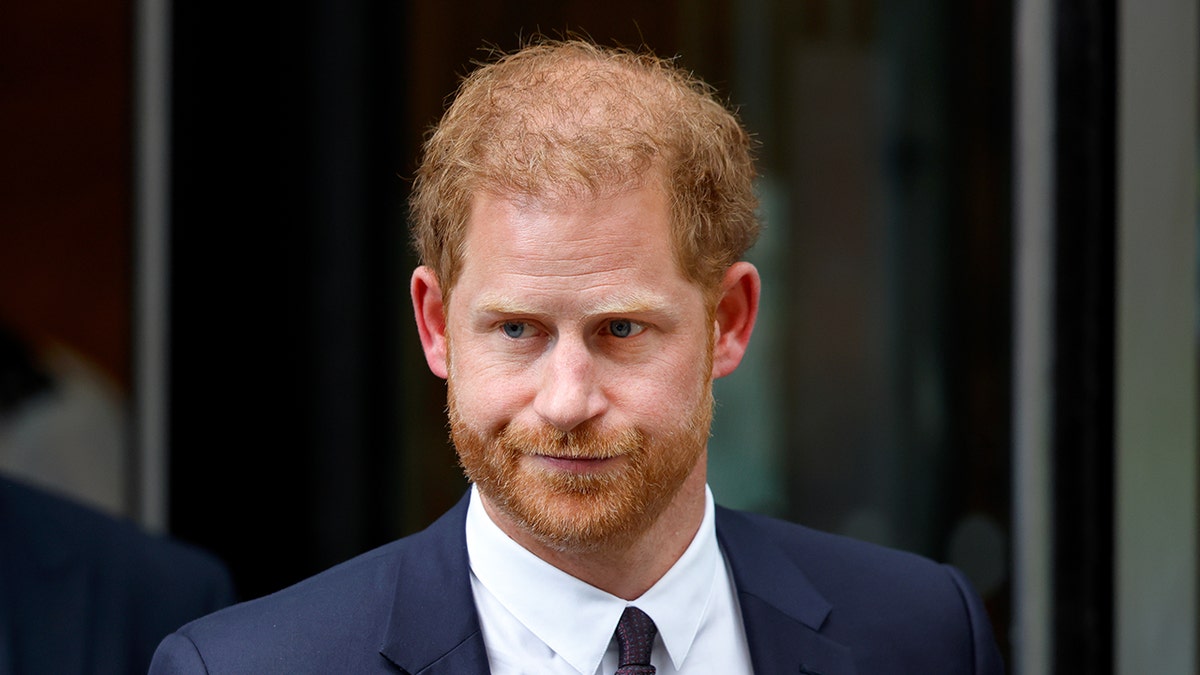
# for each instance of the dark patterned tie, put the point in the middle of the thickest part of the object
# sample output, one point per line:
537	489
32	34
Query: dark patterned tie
635	637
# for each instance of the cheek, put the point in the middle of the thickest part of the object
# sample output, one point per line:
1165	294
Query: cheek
667	390
487	393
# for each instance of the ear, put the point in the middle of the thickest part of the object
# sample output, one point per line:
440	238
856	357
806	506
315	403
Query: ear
737	309
431	318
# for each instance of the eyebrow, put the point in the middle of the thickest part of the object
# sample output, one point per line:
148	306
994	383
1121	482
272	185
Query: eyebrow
628	303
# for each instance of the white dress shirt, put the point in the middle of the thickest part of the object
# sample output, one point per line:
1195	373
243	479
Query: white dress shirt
539	619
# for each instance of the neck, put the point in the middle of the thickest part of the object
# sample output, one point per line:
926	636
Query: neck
630	569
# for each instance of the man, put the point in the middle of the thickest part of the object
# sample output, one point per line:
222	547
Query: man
580	215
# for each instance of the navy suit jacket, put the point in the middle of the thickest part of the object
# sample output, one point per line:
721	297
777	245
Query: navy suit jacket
81	592
811	603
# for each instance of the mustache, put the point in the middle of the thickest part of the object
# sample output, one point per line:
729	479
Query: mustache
585	442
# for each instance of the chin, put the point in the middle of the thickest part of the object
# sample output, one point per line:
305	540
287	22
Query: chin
581	522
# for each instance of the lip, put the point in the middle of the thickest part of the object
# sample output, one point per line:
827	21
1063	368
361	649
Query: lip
576	464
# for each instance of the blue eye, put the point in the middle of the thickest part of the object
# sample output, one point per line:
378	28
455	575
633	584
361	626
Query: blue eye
623	328
514	329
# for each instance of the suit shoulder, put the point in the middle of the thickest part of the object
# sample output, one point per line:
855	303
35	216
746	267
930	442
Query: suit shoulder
822	554
344	609
337	620
862	581
888	606
332	590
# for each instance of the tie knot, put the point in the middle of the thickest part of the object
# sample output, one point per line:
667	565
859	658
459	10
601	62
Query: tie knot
635	637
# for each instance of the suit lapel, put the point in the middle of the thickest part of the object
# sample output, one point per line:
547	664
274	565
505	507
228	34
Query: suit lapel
780	644
434	628
781	611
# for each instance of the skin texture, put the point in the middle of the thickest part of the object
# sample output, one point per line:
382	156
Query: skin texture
580	363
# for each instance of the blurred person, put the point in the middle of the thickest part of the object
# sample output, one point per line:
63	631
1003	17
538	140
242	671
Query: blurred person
581	214
63	424
81	591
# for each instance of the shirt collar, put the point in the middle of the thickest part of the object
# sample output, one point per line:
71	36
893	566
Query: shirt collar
536	592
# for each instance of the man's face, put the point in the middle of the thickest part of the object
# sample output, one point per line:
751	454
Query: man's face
580	366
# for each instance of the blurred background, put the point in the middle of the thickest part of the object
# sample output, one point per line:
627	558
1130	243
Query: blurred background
978	330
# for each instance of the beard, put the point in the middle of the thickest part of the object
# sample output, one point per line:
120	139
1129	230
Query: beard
570	511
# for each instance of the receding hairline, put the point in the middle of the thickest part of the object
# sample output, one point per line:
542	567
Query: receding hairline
569	118
582	97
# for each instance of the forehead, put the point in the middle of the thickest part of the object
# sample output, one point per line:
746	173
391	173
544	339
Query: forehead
588	245
570	228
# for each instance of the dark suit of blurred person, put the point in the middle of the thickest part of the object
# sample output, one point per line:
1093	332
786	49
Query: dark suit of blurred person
82	592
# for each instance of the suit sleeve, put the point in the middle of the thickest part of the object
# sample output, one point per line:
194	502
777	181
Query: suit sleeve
986	652
177	655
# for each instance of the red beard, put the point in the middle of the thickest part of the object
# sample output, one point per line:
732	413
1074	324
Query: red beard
576	511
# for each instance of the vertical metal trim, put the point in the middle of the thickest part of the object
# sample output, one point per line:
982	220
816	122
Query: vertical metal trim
1033	337
152	221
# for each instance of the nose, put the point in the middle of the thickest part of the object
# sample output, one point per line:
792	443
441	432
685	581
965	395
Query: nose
569	392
